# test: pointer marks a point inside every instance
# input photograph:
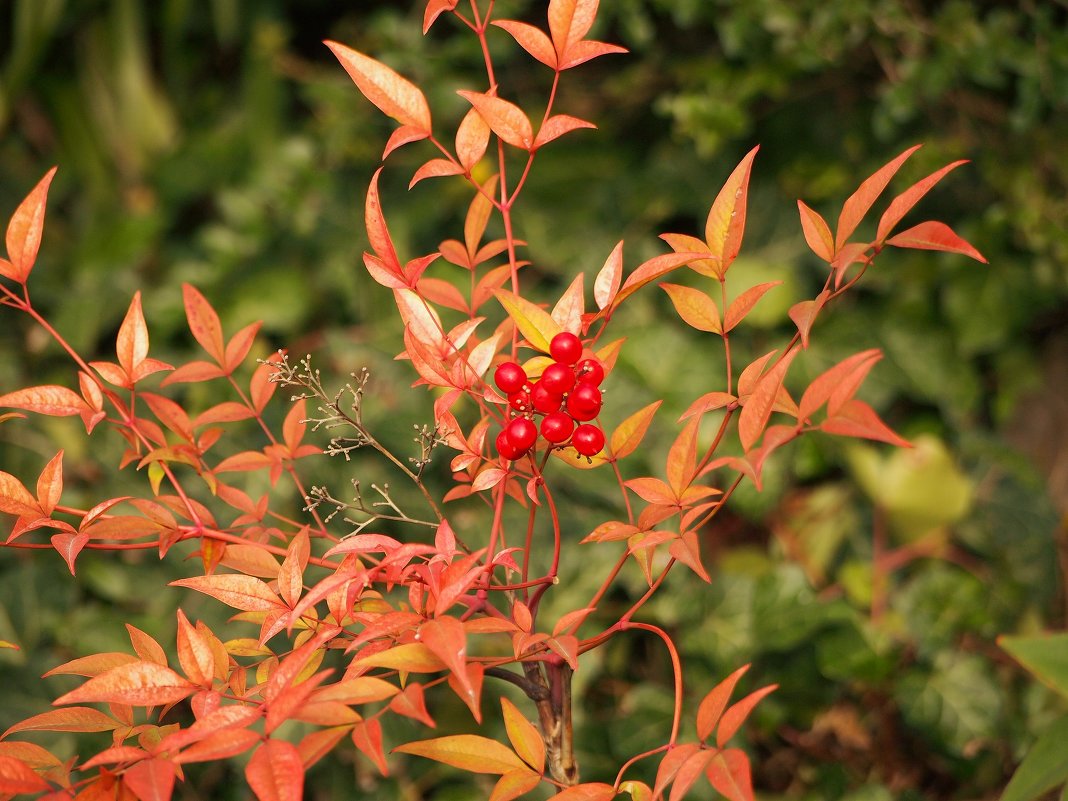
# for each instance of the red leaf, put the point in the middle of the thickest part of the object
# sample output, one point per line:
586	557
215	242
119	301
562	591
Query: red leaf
367	737
859	202
558	125
903	203
50	484
589	791
729	774
434	9
150	779
689	772
239	346
934	235
378	232
744	303
445	636
17	777
670	764
758	407
725	225
817	233
581	52
15	499
505	119
219	745
49	399
531	39
858	419
24	231
736	714
204	323
137	684
404	135
276	772
75	718
247	593
394	95
713	704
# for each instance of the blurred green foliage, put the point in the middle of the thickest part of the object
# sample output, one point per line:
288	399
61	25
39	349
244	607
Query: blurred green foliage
219	143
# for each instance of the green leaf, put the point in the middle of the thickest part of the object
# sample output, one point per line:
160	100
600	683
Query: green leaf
1043	768
1045	655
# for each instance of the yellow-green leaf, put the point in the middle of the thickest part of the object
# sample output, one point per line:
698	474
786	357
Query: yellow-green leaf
468	752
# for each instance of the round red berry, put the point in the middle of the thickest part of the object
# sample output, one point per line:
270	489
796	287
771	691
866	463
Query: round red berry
557	427
590	371
509	377
566	348
588	439
558	378
584	402
520	399
522	433
544	400
505	447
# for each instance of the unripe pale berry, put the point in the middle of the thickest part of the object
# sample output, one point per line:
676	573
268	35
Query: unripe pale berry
588	439
566	348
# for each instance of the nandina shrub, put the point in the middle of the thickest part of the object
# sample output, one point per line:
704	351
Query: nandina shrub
342	626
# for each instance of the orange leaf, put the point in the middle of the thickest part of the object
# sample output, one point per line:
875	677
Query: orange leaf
412	657
378	232
49	399
533	322
729	774
712	705
394	95
137	684
857	419
558	125
682	457
758	407
17	777
859	202
513	784
629	434
15	499
24	231
524	736
276	772
837	385
247	593
194	653
569	310
150	779
468	752
505	119
75	718
744	303
590	791
606	284
903	203
708	402
69	545
817	233
687	549
671	763
445	636
92	665
472	138
804	314
204	323
736	714
219	745
689	772
934	235
478	214
531	39
696	308
411	703
131	346
726	219
367	737
434	9
684	243
436	168
649	271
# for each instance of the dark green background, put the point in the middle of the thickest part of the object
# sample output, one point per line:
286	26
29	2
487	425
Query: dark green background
220	143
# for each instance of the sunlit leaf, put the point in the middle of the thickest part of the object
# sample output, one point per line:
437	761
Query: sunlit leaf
24	232
276	772
469	752
394	95
138	684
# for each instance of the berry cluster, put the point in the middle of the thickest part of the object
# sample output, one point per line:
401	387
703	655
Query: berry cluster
567	395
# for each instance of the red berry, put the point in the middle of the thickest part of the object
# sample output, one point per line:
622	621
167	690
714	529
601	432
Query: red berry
505	447
558	378
566	348
557	427
588	439
590	371
509	377
545	401
584	402
521	433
